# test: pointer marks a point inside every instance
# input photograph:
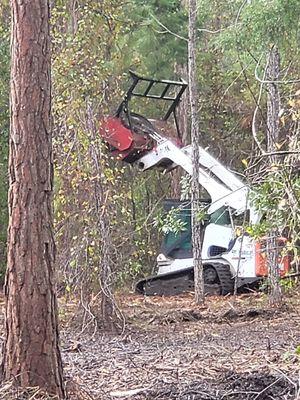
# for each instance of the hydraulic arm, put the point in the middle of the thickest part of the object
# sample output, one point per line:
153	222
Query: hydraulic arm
156	143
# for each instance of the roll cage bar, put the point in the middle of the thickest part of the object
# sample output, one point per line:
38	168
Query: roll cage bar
167	87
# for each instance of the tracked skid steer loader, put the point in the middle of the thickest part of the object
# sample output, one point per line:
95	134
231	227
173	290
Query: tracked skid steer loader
156	143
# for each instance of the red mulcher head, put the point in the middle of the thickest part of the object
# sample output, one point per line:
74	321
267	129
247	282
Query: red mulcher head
123	142
116	135
130	135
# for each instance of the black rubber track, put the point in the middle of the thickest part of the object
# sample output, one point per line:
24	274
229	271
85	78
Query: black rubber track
183	281
225	278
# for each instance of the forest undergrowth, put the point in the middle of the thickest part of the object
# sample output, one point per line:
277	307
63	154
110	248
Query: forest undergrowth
233	348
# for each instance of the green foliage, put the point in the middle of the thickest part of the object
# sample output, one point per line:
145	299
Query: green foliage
201	215
257	24
288	284
88	77
170	221
276	198
94	44
185	187
149	47
270	22
276	194
258	230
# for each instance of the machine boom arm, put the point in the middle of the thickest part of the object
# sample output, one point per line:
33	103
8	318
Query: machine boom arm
135	139
222	185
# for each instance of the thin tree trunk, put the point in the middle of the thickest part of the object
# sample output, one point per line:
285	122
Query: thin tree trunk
182	118
108	313
31	349
183	109
196	193
275	295
273	108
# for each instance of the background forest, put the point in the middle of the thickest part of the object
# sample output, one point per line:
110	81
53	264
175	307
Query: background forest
94	44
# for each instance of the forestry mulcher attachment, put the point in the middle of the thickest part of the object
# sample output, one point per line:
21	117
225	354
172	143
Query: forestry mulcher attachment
149	143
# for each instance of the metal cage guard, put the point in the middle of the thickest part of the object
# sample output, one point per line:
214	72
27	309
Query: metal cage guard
164	95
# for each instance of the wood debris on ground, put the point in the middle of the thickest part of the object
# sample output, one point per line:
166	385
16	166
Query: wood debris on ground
233	348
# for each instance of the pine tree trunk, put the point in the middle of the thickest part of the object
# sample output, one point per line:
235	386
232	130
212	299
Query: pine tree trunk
196	193
273	108
31	350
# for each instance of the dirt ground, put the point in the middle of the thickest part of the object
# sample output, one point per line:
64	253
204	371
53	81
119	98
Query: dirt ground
230	349
233	348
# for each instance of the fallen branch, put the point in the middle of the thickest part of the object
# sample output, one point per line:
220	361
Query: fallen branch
291	275
128	393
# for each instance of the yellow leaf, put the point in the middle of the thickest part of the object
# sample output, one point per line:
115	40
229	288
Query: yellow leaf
282	120
245	162
281	204
292	103
274	168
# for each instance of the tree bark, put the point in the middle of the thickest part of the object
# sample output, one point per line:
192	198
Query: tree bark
31	350
195	135
273	131
273	101
182	118
108	313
